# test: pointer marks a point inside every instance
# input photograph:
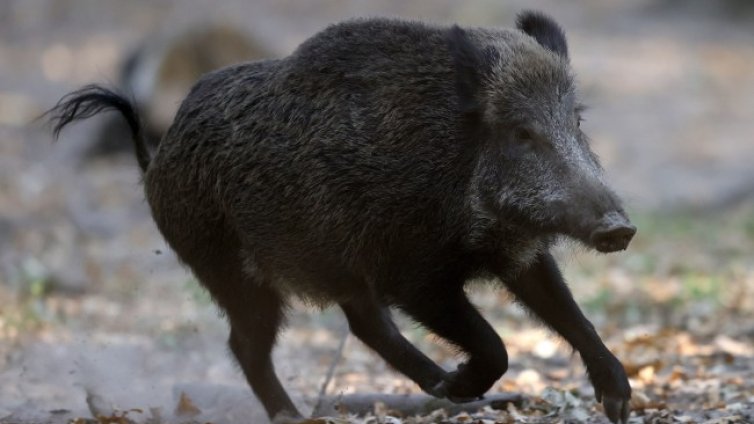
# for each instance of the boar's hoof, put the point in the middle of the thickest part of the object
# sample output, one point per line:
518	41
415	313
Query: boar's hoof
460	387
611	387
616	409
443	388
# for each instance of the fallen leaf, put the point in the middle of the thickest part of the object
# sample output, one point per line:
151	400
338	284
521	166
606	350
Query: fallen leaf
186	407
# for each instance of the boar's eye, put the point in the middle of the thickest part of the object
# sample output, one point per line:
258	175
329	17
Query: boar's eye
524	134
531	139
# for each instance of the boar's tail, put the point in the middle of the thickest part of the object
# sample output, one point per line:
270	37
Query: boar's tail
91	100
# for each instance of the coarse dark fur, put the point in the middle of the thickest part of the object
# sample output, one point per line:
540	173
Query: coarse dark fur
385	164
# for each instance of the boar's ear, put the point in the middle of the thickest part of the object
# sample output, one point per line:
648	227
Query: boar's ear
545	30
470	65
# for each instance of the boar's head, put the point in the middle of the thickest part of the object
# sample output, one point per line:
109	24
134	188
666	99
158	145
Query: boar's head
535	169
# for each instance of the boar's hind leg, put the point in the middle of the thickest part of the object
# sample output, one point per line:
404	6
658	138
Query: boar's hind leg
542	289
372	324
253	332
255	313
449	314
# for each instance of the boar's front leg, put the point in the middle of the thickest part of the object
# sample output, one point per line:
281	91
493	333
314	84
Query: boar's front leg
542	289
371	323
446	311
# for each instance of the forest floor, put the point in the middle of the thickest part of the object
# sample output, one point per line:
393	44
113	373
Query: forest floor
97	316
682	324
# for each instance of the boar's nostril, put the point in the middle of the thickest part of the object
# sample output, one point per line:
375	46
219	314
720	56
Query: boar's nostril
612	239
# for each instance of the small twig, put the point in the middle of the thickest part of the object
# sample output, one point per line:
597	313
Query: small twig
411	404
331	371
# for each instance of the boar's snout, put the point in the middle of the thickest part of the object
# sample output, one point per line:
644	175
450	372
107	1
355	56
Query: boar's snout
613	233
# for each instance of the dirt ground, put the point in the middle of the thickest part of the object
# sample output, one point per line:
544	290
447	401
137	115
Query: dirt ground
97	316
